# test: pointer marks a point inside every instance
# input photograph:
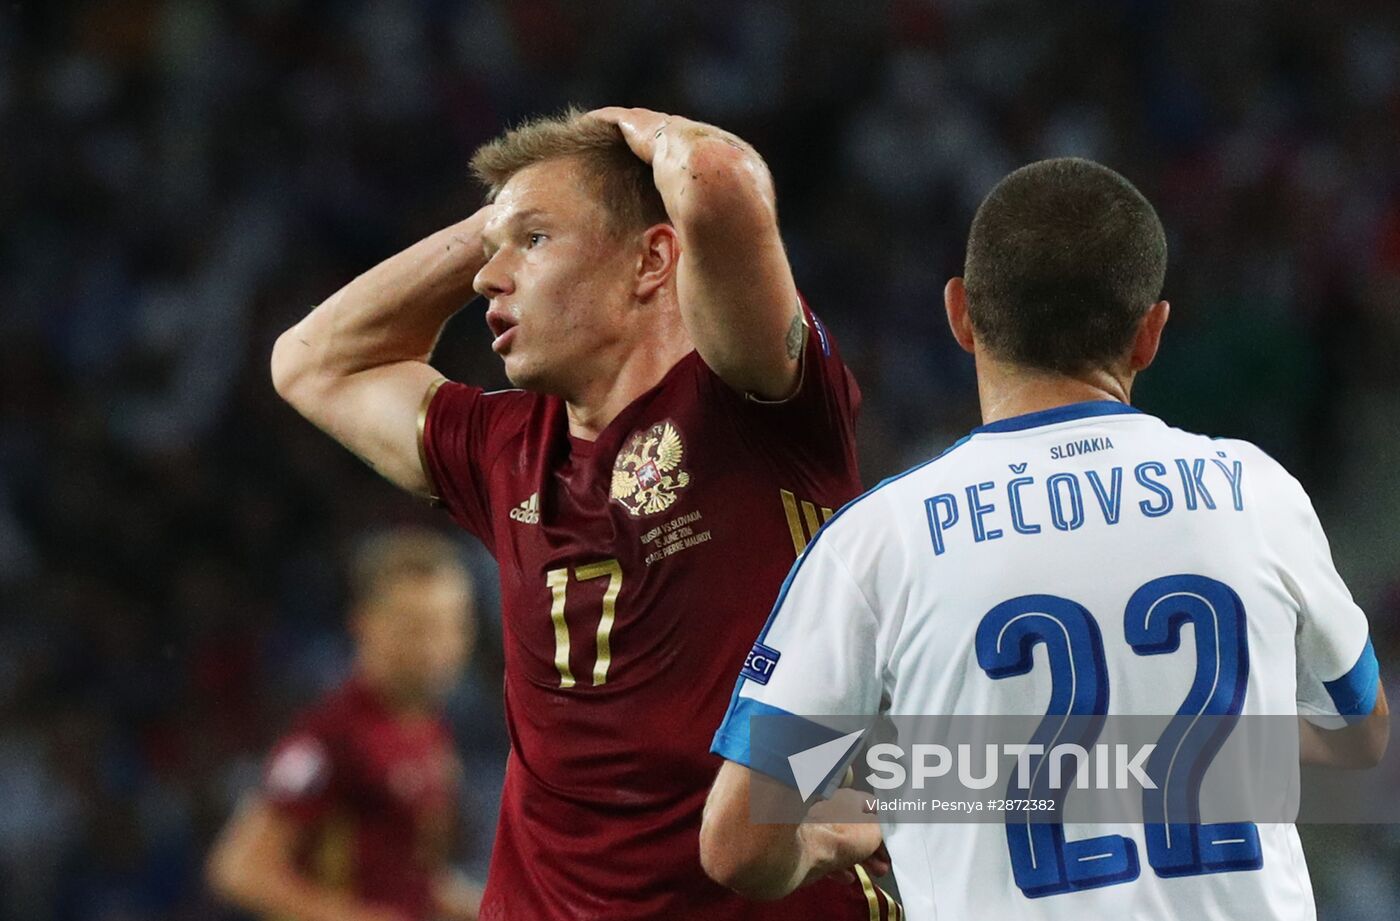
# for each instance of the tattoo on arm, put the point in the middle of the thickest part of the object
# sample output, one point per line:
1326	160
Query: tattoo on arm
796	335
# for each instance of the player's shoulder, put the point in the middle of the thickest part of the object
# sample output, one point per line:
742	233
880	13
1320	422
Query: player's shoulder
313	747
1266	475
452	396
1270	490
334	713
1251	453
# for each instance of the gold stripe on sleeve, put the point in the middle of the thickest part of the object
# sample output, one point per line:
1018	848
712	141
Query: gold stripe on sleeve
896	911
434	494
799	539
872	899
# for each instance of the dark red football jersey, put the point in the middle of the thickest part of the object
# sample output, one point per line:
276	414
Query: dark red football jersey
636	572
376	792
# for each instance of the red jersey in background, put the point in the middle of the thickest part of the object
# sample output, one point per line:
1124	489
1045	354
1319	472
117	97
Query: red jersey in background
376	792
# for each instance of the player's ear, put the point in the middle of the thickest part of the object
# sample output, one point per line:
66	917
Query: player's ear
1149	336
656	264
955	303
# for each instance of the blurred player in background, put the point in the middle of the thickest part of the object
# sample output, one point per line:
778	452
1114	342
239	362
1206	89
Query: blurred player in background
685	424
358	806
1073	522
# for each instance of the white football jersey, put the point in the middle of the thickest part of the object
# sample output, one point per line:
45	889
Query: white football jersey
918	598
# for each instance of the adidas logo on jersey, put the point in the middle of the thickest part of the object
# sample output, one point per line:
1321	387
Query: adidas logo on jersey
527	512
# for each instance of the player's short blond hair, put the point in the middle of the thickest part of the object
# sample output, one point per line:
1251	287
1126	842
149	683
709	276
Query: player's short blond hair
622	182
387	556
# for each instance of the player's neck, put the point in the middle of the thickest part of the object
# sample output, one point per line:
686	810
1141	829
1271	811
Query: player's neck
384	691
622	380
1006	391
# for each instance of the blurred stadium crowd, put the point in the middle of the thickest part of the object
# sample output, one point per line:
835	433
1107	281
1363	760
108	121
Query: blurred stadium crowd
182	179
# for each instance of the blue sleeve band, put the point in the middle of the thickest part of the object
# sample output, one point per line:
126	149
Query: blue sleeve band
1354	694
779	734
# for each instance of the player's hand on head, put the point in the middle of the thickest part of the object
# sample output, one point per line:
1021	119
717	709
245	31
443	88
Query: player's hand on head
645	130
641	128
468	234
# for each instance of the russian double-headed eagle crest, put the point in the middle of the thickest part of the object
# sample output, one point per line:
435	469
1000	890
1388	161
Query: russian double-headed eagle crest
647	474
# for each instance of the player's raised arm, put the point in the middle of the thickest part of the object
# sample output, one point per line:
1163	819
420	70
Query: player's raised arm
357	365
736	291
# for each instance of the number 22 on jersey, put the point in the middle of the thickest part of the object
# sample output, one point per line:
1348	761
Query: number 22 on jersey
1042	861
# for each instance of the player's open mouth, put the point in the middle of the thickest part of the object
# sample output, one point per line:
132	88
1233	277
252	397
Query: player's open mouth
502	326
